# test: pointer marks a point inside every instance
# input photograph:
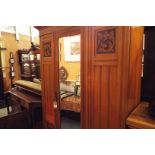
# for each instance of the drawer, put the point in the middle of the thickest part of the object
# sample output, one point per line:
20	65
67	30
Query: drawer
24	104
14	99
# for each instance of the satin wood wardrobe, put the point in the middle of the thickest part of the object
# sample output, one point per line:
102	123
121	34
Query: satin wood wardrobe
110	73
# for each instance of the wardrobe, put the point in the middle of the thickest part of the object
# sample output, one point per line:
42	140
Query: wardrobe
110	73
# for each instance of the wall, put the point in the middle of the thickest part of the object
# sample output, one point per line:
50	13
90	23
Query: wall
12	45
73	68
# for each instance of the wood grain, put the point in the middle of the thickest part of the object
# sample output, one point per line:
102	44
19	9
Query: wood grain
140	119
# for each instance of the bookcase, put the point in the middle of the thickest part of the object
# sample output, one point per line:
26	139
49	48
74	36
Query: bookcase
29	64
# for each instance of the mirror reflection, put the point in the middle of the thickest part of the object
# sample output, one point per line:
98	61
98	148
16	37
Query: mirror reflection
69	77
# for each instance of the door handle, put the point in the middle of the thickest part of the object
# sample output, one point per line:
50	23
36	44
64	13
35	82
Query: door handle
55	102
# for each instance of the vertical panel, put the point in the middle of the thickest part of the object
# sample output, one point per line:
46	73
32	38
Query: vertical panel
48	77
48	95
134	83
104	108
96	97
114	103
107	45
85	77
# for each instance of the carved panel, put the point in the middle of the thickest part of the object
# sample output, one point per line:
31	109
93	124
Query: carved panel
105	42
47	49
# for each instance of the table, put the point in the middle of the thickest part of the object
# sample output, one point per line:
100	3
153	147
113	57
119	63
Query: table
19	98
140	119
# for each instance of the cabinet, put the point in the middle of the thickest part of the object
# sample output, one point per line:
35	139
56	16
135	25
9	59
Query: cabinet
110	73
29	64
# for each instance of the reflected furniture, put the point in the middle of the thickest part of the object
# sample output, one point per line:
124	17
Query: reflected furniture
70	96
71	103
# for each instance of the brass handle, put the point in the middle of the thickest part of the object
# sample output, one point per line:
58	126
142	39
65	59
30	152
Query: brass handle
55	102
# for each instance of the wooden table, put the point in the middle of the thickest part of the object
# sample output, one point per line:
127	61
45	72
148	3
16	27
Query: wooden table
27	99
21	98
140	119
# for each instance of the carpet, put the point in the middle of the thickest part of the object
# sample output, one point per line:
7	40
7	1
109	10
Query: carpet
4	112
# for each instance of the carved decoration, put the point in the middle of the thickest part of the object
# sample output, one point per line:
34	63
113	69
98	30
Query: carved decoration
47	49
105	41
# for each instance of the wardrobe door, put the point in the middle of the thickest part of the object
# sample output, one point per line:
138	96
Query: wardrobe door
48	74
106	53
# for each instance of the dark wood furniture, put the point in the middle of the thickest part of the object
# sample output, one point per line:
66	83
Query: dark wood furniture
20	99
20	120
1	77
140	119
110	73
30	64
1	81
12	70
71	103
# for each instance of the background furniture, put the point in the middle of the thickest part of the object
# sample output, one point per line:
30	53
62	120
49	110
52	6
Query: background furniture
22	98
140	119
30	64
12	70
1	77
20	120
1	80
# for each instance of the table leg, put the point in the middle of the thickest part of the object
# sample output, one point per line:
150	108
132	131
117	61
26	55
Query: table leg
6	102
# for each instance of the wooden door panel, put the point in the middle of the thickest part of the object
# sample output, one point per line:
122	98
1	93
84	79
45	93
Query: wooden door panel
114	98
106	76
48	80
105	97
48	96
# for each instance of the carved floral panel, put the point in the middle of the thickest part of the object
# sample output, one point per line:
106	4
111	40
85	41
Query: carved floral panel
105	42
47	49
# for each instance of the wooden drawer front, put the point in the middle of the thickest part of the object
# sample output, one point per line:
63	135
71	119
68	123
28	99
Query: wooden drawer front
14	100
15	104
24	104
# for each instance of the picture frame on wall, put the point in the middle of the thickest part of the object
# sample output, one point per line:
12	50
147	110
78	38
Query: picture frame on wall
72	48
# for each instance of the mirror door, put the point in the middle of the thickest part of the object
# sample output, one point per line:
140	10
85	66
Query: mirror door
69	48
